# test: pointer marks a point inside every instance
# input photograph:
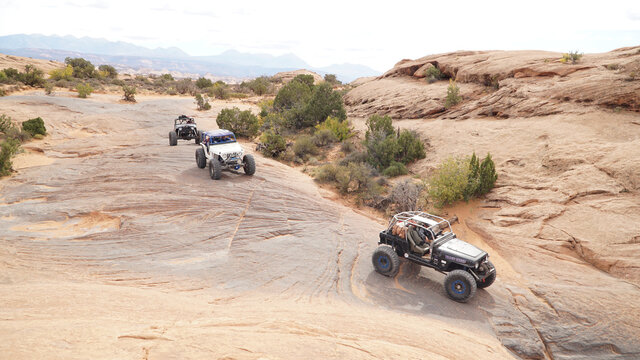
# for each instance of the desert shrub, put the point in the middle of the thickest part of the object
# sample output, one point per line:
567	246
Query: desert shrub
203	83
326	173
142	79
32	76
242	123
202	102
3	77
453	95
293	94
2	92
5	123
272	144
376	123
573	56
340	128
275	122
219	90
129	93
395	169
347	147
473	179
237	95
410	148
355	157
84	90
381	149
332	79
324	102
186	86
613	66
260	85
167	77
449	181
81	68
11	74
108	71
304	146
324	137
404	196
62	74
487	175
8	148
433	74
48	88
34	126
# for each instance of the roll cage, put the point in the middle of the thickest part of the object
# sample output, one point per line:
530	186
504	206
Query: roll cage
434	225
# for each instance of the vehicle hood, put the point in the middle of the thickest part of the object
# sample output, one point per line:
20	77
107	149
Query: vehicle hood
226	148
463	250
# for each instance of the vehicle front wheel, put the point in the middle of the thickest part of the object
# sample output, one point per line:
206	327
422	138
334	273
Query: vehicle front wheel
488	266
249	164
215	169
173	138
460	285
386	261
201	160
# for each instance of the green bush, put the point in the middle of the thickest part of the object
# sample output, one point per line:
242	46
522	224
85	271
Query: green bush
305	79
84	90
453	95
11	73
488	175
34	126
326	173
332	79
293	94
347	147
324	137
395	169
261	85
573	56
108	71
275	122
381	149
242	123
473	179
62	74
202	102
219	90
167	77
379	124
203	83
3	77
355	157
304	146
433	74
340	128
129	93
32	76
351	178
8	148
5	123
81	68
449	181
272	144
324	102
410	148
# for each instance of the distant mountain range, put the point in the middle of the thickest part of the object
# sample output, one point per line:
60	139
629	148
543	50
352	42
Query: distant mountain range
126	56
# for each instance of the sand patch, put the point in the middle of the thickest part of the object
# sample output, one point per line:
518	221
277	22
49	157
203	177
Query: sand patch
30	158
91	223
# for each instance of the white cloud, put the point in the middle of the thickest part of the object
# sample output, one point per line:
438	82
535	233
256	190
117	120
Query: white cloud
373	33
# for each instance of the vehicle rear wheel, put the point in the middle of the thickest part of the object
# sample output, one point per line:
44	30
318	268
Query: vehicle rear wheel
249	164
173	138
215	169
386	261
201	160
460	285
488	266
198	137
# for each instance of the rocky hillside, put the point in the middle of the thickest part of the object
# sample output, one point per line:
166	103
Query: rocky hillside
504	84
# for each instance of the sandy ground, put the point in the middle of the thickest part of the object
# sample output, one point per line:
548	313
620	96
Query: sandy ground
118	246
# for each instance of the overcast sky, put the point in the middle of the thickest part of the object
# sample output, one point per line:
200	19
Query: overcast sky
373	33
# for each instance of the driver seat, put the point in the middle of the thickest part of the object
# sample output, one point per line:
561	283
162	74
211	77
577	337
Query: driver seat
417	244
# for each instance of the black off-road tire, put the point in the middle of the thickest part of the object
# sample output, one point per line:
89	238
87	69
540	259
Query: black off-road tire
386	261
173	138
201	159
490	279
198	137
249	164
215	169
460	285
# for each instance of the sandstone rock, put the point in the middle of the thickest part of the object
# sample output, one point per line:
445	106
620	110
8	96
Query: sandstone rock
287	76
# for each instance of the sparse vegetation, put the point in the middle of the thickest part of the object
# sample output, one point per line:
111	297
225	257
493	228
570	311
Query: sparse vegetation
433	74
129	93
242	123
272	144
573	56
12	136
332	79
8	148
613	66
108	71
395	169
62	74
219	90
453	95
324	137
203	83
84	90
202	102
48	88
384	145
186	86
304	146
340	128
260	85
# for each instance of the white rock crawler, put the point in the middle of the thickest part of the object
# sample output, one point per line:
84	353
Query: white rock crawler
220	150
